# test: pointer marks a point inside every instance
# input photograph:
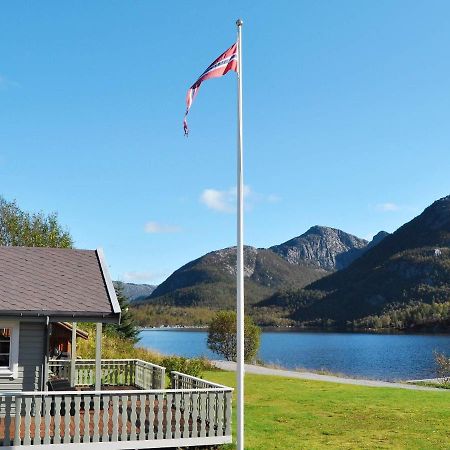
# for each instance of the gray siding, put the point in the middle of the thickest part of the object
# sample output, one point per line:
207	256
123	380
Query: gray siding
31	359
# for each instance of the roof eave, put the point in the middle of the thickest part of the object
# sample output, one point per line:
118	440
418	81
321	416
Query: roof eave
63	316
108	282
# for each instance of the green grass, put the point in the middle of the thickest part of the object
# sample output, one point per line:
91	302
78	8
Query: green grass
283	413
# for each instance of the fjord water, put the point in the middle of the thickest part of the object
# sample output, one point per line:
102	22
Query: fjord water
367	355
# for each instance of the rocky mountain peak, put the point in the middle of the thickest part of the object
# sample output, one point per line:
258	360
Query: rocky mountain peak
322	247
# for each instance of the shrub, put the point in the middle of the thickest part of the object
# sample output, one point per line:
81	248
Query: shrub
193	366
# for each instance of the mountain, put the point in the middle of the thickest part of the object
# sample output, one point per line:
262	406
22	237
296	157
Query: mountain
395	278
324	248
135	292
211	279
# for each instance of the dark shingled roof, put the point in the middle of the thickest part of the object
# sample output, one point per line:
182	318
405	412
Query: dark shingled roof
55	282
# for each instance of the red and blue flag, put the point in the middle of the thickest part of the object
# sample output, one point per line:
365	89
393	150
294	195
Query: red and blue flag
224	63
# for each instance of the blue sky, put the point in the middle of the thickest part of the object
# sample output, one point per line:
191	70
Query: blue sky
346	121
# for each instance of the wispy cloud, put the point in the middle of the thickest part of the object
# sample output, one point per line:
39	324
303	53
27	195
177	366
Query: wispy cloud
225	200
145	276
273	198
387	207
156	227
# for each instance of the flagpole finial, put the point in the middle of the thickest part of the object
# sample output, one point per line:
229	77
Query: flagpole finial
239	22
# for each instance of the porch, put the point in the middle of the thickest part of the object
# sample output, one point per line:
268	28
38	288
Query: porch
193	412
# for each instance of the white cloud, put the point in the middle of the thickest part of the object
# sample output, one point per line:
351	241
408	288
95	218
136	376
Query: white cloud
156	227
134	276
225	201
222	201
387	207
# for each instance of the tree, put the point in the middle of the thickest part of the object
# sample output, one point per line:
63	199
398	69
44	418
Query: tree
21	228
222	336
443	367
126	328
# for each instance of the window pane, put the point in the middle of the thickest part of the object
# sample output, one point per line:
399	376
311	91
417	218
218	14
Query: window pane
4	347
4	360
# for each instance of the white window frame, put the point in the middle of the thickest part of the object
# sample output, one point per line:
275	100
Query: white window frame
13	370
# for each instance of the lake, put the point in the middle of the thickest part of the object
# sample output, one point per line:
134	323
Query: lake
367	355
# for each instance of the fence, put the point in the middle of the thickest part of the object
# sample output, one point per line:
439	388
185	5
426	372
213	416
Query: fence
115	372
181	416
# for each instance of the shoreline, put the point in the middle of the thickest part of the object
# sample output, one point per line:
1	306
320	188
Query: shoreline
307	330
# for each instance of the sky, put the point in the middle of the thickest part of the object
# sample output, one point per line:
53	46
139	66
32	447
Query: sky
346	121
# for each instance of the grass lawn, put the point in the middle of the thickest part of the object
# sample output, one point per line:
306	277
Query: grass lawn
283	413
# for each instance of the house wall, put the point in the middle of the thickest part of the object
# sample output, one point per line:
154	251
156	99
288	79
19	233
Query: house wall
31	358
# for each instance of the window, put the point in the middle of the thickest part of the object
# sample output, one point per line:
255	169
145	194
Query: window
9	349
5	347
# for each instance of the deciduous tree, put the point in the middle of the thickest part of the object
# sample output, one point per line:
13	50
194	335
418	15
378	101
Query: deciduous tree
22	228
222	336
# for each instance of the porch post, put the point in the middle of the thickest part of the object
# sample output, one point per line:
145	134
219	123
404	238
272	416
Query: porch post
98	357
46	354
73	354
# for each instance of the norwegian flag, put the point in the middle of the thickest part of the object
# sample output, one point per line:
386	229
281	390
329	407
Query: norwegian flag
224	63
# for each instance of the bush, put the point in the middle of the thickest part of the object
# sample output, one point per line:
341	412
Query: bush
193	366
222	336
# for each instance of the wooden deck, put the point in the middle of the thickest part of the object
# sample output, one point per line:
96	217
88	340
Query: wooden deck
184	416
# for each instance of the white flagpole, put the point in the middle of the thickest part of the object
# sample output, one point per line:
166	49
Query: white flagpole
240	254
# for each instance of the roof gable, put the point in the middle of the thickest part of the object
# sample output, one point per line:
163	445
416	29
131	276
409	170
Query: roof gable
55	282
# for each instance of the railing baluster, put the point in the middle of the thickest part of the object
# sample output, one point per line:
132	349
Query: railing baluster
105	418
76	419
219	414
211	415
37	420
86	418
96	419
203	412
227	414
141	399
27	420
8	414
150	416
177	404
47	419
133	417
168	416
115	418
67	418
57	419
17	420
194	414
124	417
160	430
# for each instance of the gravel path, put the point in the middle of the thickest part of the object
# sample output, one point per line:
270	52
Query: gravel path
260	370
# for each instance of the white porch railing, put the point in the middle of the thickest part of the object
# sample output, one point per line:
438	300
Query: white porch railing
180	380
115	372
119	419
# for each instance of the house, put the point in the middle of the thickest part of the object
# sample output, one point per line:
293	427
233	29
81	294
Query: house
118	403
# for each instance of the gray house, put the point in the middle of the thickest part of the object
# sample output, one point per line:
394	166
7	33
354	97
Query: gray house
119	403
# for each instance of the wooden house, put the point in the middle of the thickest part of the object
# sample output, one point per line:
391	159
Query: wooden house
115	404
